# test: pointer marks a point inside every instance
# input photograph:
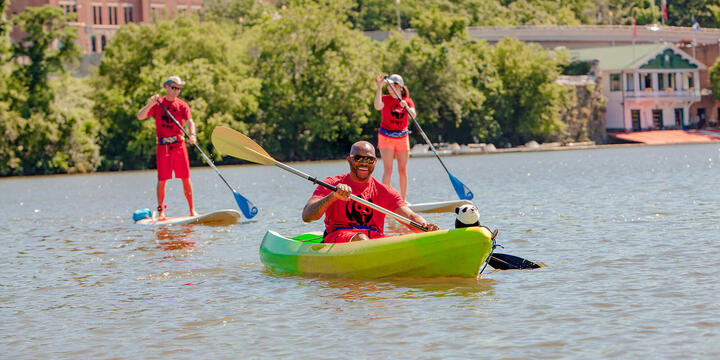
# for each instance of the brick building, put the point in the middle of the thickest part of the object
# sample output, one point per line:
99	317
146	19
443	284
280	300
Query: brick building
707	110
98	20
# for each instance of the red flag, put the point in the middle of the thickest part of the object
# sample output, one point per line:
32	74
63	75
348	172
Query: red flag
634	27
664	9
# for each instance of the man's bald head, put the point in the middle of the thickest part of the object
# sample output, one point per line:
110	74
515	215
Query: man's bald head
362	148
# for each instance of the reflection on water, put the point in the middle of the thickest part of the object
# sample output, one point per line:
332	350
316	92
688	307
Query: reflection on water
175	237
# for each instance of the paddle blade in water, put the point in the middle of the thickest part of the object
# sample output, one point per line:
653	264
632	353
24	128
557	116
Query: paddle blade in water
511	262
233	143
462	191
247	207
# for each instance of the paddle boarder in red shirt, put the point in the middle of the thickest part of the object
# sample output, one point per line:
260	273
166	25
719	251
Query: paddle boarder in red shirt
347	220
393	141
172	155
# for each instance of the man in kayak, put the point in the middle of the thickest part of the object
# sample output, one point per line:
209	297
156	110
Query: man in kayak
347	220
172	155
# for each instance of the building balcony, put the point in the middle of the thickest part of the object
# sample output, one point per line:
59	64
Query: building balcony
689	94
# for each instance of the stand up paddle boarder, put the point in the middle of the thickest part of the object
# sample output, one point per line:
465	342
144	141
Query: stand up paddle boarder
393	141
172	155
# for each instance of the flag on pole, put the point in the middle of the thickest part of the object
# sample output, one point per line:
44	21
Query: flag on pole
634	27
664	10
695	25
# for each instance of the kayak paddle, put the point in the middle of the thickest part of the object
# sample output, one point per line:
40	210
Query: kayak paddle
247	207
511	262
236	144
240	146
462	191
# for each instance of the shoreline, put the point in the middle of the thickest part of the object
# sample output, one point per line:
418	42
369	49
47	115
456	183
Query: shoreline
517	149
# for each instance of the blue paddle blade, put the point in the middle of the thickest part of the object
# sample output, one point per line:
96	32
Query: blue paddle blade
462	191
247	208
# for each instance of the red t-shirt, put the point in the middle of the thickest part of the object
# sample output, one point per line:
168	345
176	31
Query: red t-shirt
345	214
394	116
164	126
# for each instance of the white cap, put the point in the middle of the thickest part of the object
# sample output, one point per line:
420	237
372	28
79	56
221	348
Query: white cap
395	78
174	79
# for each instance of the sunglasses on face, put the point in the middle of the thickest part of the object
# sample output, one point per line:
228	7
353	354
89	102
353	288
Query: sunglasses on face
364	159
175	88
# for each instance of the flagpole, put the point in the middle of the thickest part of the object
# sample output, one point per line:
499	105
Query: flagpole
634	24
695	29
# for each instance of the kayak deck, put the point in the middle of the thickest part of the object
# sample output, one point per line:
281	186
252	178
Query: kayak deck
443	253
438	206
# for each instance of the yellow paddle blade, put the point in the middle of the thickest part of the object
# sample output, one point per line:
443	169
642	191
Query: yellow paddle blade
234	143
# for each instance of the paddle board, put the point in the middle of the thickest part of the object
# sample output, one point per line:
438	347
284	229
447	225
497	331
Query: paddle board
439	206
215	218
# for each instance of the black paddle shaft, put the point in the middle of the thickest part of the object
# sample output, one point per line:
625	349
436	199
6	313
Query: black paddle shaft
315	180
207	159
417	125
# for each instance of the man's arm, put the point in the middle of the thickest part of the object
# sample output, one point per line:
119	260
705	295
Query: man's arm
378	95
406	212
191	131
316	206
142	114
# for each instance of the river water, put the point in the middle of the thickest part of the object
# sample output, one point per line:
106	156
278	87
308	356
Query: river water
630	237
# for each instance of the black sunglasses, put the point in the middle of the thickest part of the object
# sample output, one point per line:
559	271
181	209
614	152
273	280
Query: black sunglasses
175	87
363	158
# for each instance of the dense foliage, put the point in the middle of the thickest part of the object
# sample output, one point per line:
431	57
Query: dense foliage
381	14
298	77
46	129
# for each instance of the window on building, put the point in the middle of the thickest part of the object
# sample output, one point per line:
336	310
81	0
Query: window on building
635	120
646	82
672	83
128	12
615	82
112	15
679	118
97	14
630	81
93	44
691	81
657	119
102	43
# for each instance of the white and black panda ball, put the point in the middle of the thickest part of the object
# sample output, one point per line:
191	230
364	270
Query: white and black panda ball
466	216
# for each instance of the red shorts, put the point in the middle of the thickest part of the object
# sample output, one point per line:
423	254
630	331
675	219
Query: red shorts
395	144
343	236
172	157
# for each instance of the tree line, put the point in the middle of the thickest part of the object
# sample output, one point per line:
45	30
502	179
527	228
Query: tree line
297	77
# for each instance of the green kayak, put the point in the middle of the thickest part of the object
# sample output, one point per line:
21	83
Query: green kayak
454	253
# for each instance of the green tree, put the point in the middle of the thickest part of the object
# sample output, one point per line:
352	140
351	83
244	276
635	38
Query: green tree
242	12
44	120
318	77
443	80
4	33
715	78
529	104
438	26
542	12
209	56
48	45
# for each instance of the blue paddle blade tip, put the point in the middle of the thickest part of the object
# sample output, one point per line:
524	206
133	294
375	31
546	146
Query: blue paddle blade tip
462	191
247	207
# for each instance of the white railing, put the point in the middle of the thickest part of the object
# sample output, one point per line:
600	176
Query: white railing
690	93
